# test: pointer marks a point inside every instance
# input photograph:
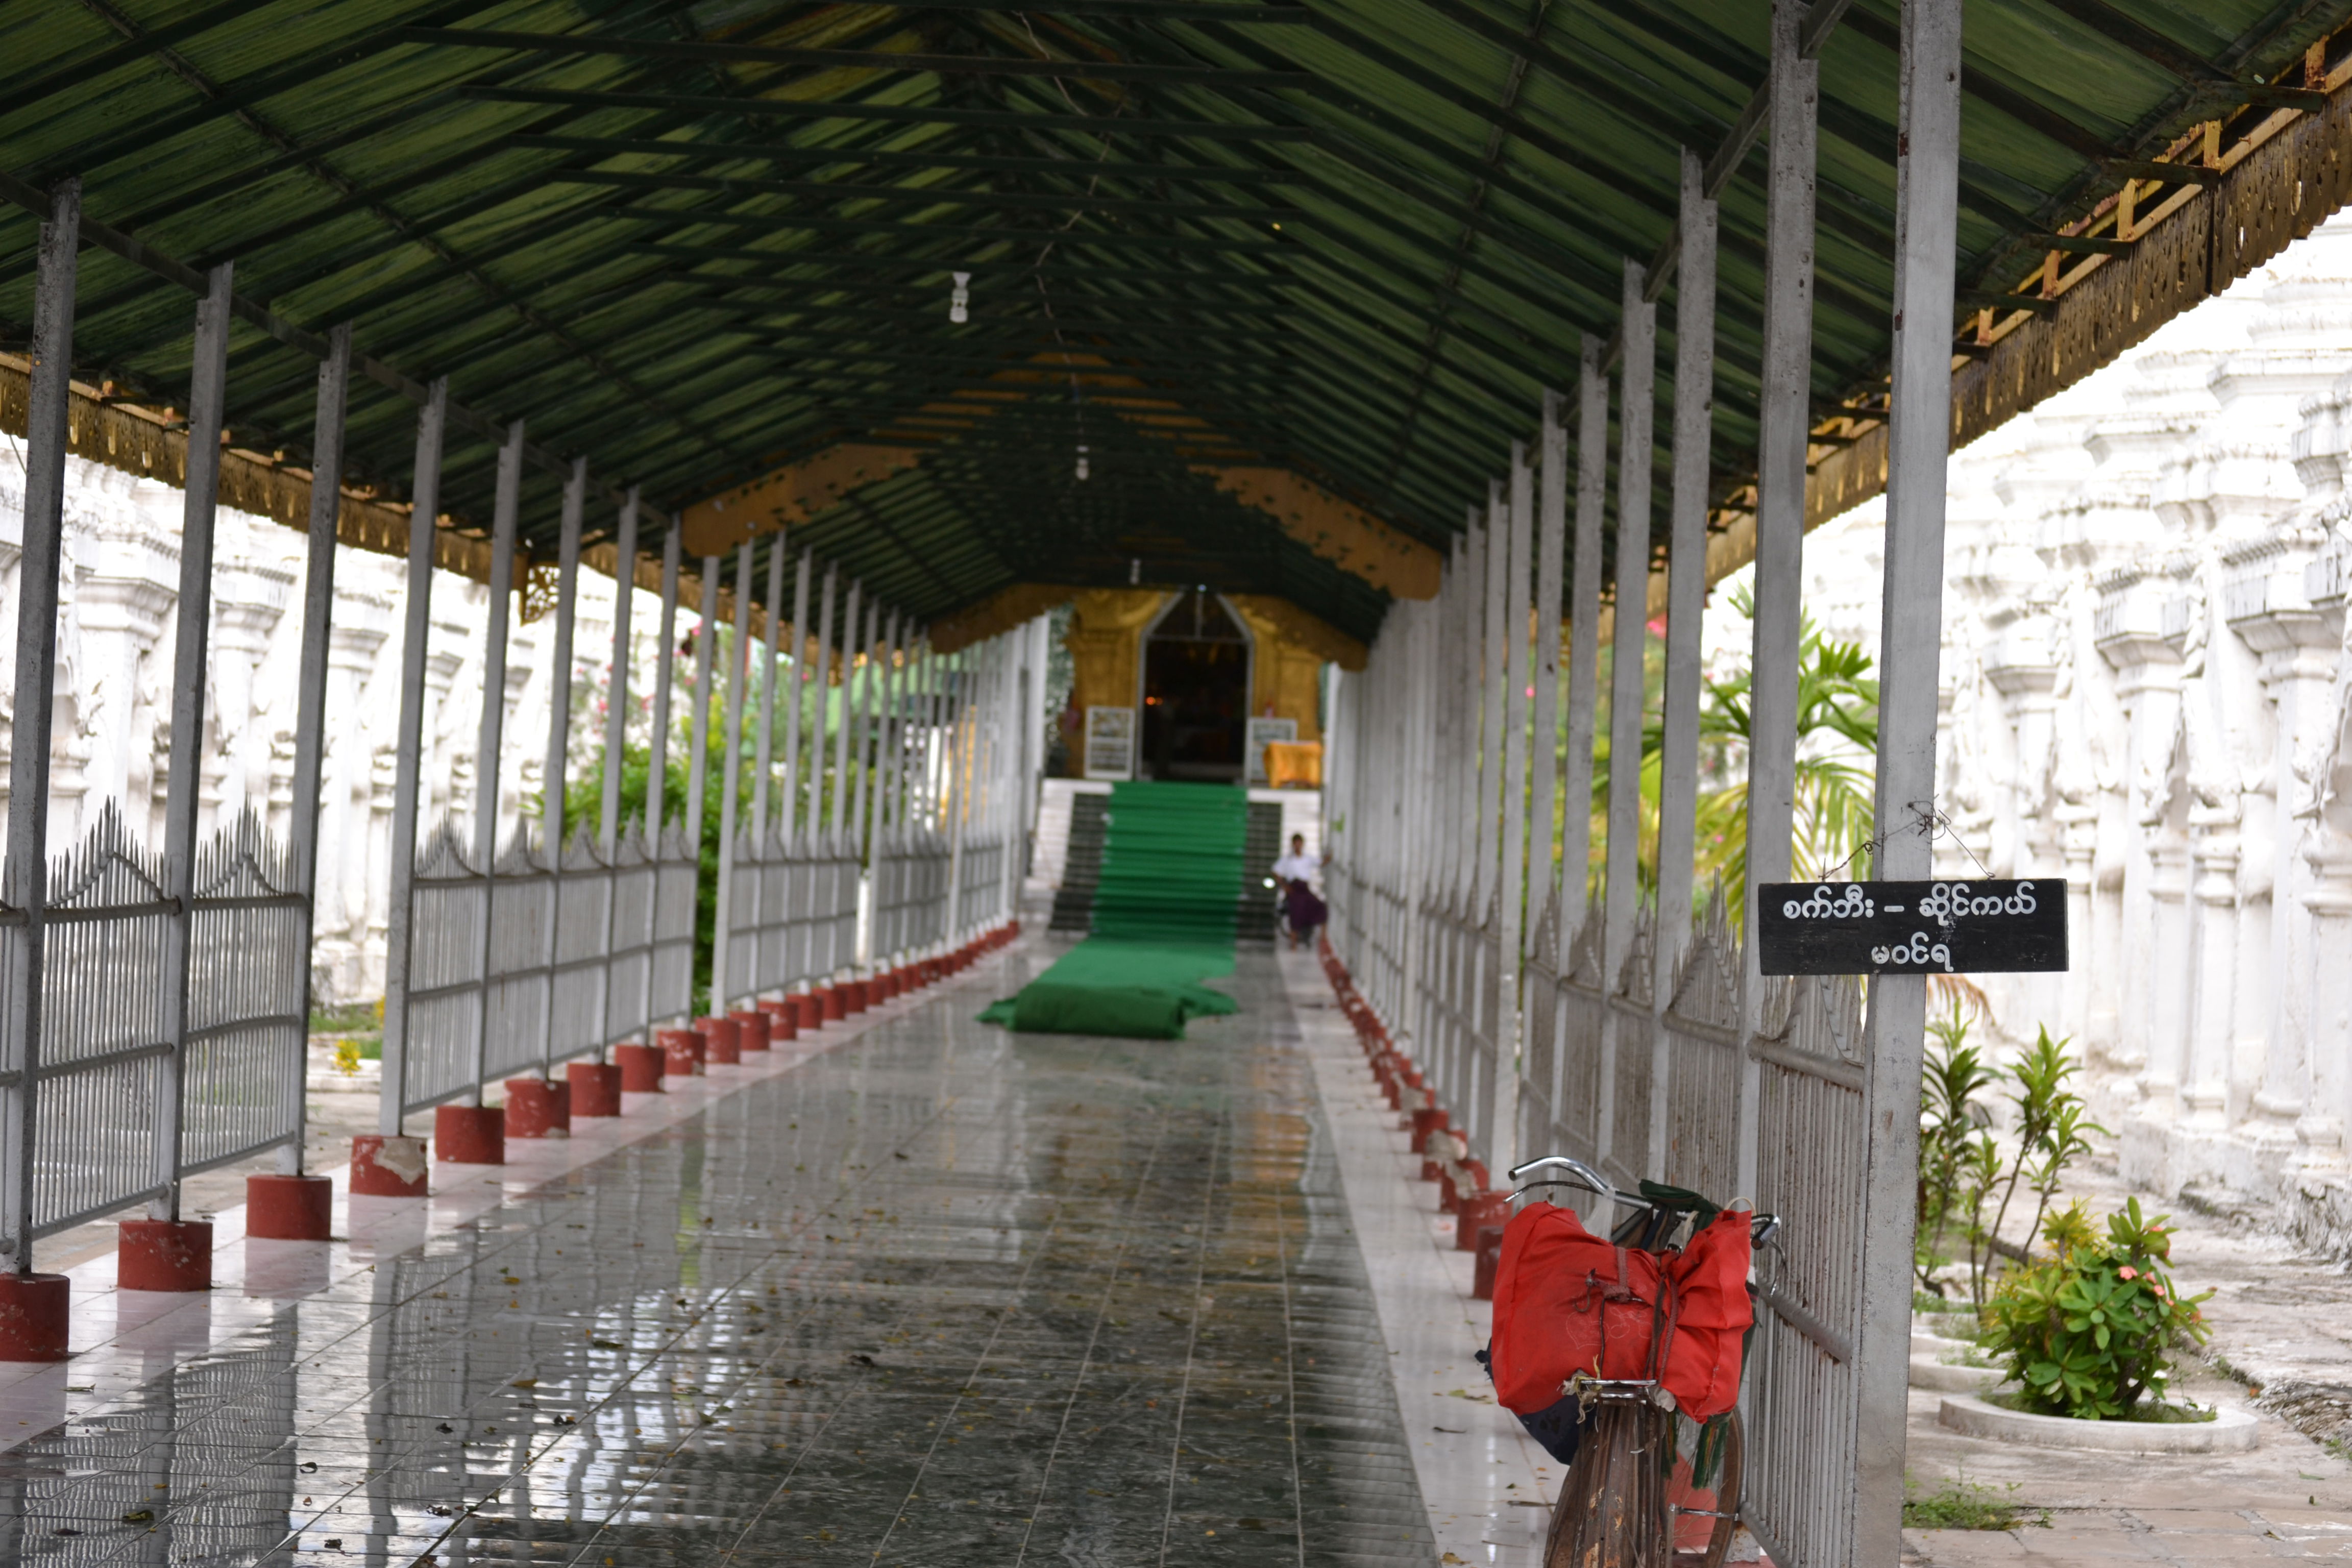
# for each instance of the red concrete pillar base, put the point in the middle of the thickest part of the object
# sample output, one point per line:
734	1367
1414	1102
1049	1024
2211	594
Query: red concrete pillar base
750	1032
836	1003
33	1317
640	1068
289	1208
387	1167
783	1020
860	997
1490	1263
538	1108
809	1010
596	1089
469	1134
164	1255
1425	1122
1479	1211
681	1052
722	1042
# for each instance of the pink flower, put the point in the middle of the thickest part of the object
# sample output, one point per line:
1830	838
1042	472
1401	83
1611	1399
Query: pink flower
2128	1272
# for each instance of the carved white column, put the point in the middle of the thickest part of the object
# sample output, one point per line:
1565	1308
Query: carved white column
449	762
518	768
12	547
360	626
2269	606
127	578
248	599
2129	635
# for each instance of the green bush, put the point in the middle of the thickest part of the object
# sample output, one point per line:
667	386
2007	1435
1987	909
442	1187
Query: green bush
2089	1331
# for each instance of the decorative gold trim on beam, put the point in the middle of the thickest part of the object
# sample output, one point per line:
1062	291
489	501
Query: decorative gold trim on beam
791	495
1008	608
1345	535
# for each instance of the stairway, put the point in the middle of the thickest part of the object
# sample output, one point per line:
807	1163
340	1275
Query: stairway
1257	913
1082	856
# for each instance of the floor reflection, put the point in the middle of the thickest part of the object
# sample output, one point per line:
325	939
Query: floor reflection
943	1295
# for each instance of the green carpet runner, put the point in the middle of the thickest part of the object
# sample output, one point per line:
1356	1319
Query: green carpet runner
1163	921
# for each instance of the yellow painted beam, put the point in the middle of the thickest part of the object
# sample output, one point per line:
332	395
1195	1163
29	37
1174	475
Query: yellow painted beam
791	495
1336	530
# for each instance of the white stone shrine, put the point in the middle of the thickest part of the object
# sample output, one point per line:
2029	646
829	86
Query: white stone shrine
115	629
2146	689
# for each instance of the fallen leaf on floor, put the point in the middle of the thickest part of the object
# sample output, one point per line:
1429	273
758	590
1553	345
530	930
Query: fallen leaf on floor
1451	1431
1473	1398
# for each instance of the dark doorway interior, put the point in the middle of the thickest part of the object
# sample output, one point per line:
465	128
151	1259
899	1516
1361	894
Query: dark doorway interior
1195	693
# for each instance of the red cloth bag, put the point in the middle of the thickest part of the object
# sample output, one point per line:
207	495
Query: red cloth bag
1568	1302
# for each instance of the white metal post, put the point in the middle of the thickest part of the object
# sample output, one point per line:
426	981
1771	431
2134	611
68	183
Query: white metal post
616	693
799	889
788	835
771	659
861	805
666	654
738	669
554	774
821	844
311	702
1551	552
1918	448
959	761
424	504
697	746
1784	417
657	756
505	511
1685	566
617	717
1621	891
1583	645
1685	605
885	882
1503	1140
208	390
1497	541
45	437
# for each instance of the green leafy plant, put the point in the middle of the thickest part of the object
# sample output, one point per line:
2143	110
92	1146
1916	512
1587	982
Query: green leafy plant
1837	745
1951	1133
2088	1332
1963	1504
2052	1131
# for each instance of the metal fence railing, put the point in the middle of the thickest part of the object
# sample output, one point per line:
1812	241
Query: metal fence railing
792	918
102	1127
579	954
1643	1047
911	869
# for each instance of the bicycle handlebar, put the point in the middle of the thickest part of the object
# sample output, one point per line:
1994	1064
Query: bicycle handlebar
1762	1227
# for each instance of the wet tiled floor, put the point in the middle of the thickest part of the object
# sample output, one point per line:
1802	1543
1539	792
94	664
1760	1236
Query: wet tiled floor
938	1295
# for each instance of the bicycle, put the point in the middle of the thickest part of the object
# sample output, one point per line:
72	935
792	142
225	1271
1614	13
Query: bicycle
1628	1496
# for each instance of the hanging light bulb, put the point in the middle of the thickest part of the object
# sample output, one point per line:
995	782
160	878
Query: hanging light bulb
960	301
1082	459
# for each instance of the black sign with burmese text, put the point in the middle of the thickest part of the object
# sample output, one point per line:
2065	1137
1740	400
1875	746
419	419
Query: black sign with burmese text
1912	928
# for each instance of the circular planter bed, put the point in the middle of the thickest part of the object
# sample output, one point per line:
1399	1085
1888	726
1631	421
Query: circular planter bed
1952	1377
2229	1432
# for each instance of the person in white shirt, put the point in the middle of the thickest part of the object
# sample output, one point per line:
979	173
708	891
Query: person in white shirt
1303	912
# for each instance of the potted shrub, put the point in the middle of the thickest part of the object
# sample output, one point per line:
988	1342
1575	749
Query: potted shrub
2088	1332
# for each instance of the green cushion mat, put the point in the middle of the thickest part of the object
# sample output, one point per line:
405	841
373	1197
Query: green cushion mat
1163	921
1114	985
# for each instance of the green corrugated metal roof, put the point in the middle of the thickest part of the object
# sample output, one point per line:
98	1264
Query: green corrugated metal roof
1356	238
